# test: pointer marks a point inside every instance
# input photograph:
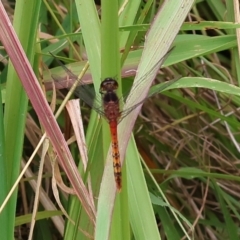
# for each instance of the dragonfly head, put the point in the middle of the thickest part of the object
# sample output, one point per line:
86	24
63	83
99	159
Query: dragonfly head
108	85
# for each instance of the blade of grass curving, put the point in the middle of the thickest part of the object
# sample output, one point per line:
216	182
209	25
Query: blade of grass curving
200	82
142	193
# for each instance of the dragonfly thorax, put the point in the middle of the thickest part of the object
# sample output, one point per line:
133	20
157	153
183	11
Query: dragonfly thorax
108	85
110	97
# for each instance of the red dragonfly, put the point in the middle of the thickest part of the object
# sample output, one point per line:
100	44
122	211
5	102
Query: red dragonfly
108	106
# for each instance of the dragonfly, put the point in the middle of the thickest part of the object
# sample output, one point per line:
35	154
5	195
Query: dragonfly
108	105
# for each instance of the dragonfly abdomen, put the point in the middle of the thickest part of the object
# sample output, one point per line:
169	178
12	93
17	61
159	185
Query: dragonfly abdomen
116	155
111	109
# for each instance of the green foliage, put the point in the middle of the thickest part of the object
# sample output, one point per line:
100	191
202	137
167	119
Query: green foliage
180	173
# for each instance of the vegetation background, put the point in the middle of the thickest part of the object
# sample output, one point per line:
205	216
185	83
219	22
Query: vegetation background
185	139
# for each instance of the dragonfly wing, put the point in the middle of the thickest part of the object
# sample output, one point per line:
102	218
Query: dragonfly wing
84	92
158	88
153	91
87	94
152	70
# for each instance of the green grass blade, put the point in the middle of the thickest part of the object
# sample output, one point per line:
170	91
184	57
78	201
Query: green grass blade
110	64
25	24
90	25
163	31
3	163
86	10
231	228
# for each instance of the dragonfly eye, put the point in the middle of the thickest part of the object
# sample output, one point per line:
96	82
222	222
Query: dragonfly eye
108	85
